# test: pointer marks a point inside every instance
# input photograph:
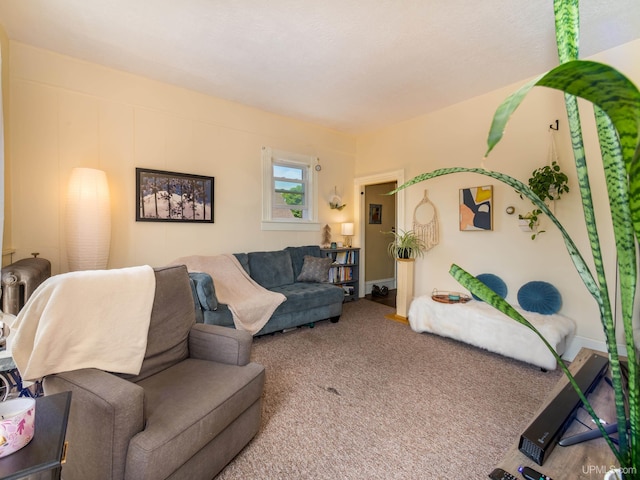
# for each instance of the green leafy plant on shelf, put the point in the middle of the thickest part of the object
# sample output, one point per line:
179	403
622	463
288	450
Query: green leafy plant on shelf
616	103
405	244
548	183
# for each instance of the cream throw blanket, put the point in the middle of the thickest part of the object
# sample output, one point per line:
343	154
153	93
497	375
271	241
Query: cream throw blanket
251	304
89	319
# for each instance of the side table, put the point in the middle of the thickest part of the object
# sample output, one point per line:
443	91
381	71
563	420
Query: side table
44	454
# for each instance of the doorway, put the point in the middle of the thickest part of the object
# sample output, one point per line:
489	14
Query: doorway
380	211
373	249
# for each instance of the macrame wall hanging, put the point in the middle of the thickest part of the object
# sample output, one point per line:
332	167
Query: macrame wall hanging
425	222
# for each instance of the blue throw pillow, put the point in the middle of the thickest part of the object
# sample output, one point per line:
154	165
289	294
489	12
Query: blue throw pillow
494	282
540	297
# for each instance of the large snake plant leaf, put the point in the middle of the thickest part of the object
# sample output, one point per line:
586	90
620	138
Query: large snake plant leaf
618	193
567	21
616	181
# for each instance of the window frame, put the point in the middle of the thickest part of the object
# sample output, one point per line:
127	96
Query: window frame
271	157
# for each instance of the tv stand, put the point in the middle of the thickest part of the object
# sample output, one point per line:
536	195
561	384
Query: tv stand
582	460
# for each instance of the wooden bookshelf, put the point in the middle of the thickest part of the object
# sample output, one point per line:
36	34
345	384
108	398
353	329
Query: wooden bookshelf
345	270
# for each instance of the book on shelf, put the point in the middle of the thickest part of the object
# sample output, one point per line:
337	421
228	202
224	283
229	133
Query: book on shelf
340	274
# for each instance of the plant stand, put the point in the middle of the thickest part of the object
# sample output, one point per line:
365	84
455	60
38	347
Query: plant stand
404	296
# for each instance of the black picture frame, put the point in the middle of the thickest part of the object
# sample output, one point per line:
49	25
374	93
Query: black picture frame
163	196
375	213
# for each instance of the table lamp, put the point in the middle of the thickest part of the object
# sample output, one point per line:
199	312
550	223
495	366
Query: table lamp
347	233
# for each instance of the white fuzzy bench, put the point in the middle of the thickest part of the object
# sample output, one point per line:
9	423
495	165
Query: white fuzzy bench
479	324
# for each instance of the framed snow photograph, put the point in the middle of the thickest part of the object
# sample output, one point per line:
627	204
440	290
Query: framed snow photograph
173	197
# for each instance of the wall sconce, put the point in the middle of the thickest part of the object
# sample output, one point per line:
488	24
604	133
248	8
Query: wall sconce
347	233
88	221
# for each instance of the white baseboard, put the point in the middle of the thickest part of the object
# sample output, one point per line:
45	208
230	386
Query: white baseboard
575	343
390	283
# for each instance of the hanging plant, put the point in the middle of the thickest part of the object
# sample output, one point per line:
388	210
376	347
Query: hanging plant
548	183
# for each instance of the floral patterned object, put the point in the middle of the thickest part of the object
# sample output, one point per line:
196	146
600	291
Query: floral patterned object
17	424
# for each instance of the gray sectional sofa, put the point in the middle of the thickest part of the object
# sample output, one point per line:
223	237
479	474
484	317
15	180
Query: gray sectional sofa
310	298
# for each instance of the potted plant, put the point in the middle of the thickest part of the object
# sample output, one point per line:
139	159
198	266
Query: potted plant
405	245
529	222
548	183
617	110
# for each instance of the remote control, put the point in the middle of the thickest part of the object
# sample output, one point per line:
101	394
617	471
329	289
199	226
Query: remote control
500	474
531	474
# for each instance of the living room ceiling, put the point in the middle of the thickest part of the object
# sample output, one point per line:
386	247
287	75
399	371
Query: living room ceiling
348	65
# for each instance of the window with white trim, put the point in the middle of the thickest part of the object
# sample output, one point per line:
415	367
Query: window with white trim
289	187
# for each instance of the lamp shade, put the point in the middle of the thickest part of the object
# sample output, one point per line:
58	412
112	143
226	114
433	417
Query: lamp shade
347	229
88	221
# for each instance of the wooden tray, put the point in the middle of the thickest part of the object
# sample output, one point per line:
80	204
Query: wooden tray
450	297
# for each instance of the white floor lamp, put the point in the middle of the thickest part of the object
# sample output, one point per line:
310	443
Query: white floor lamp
88	220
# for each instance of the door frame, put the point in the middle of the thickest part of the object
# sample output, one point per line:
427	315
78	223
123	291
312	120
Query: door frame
361	215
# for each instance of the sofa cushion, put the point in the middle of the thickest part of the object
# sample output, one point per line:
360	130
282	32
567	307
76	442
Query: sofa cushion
180	421
298	254
304	296
271	269
315	269
205	290
172	317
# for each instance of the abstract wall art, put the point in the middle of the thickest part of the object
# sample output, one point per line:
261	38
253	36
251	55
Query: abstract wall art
476	208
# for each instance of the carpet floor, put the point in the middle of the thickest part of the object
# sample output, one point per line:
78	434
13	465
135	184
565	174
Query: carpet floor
368	398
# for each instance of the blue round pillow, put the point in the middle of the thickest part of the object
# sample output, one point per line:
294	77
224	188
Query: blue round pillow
494	282
540	297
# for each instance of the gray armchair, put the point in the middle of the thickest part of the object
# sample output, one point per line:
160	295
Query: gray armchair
195	404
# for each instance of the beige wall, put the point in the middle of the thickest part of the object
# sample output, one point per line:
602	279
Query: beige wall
67	113
456	136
